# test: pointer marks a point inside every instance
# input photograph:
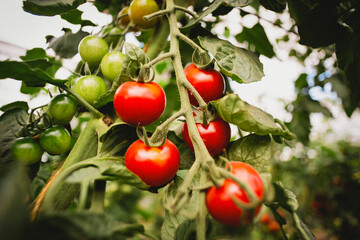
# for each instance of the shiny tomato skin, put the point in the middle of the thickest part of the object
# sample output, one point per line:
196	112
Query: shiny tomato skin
140	8
210	84
155	166
62	109
55	140
92	49
124	21
90	87
218	200
139	103
111	64
216	135
26	150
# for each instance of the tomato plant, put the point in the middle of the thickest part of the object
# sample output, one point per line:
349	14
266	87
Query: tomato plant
111	64
219	200
156	166
110	185
216	135
90	88
210	84
26	150
139	103
62	109
55	140
140	8
92	49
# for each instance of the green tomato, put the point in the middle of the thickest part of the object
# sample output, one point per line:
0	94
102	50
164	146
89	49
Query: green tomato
55	140
113	36
92	49
111	64
62	109
26	150
140	8
90	88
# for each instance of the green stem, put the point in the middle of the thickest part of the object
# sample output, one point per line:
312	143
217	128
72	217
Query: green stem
193	14
201	216
82	101
161	128
158	59
159	13
191	43
299	227
84	189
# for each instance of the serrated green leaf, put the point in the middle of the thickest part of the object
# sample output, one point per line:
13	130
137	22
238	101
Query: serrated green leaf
66	46
247	117
50	7
237	63
238	3
18	104
74	17
285	197
186	230
29	72
254	150
83	225
10	124
34	54
257	37
117	139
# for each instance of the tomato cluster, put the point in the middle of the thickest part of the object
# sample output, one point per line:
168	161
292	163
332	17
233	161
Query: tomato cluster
219	200
54	140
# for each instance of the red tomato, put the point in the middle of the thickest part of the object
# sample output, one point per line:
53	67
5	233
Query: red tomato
216	135
209	83
155	166
139	103
219	202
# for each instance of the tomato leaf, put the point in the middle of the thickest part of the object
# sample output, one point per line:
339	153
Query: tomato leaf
83	225
247	117
117	139
29	72
274	5
257	37
18	104
254	150
237	63
285	197
66	46
74	17
10	123
50	7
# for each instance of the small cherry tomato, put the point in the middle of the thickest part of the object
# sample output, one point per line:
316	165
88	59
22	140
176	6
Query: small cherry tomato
220	204
125	20
90	88
55	140
210	84
139	103
155	166
216	135
26	150
140	8
111	64
62	109
113	36
92	49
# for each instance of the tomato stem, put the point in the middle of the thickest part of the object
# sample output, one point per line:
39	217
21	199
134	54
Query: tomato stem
193	14
97	202
158	59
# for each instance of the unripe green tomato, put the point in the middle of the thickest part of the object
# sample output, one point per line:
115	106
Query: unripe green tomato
26	150
90	88
92	49
124	21
62	109
140	8
55	140
111	64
